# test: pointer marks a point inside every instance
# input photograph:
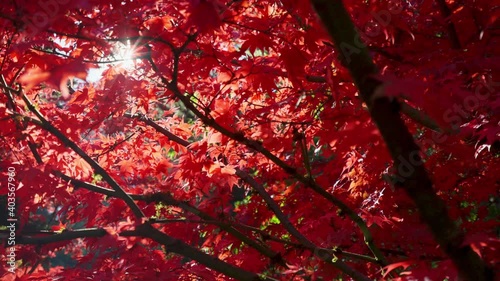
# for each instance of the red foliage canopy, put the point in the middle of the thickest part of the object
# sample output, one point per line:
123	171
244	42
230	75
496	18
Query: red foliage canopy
249	140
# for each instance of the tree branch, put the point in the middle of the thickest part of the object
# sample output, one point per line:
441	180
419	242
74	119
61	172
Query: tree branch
169	200
179	247
63	236
399	141
257	146
171	245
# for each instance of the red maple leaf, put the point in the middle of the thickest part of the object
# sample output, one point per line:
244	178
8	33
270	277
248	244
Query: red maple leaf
56	76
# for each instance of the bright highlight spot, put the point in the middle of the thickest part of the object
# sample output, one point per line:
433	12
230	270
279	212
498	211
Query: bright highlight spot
124	57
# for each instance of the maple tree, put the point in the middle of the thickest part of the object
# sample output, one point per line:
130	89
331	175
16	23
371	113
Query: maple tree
251	140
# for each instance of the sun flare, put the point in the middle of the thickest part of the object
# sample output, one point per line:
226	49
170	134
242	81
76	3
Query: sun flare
125	56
